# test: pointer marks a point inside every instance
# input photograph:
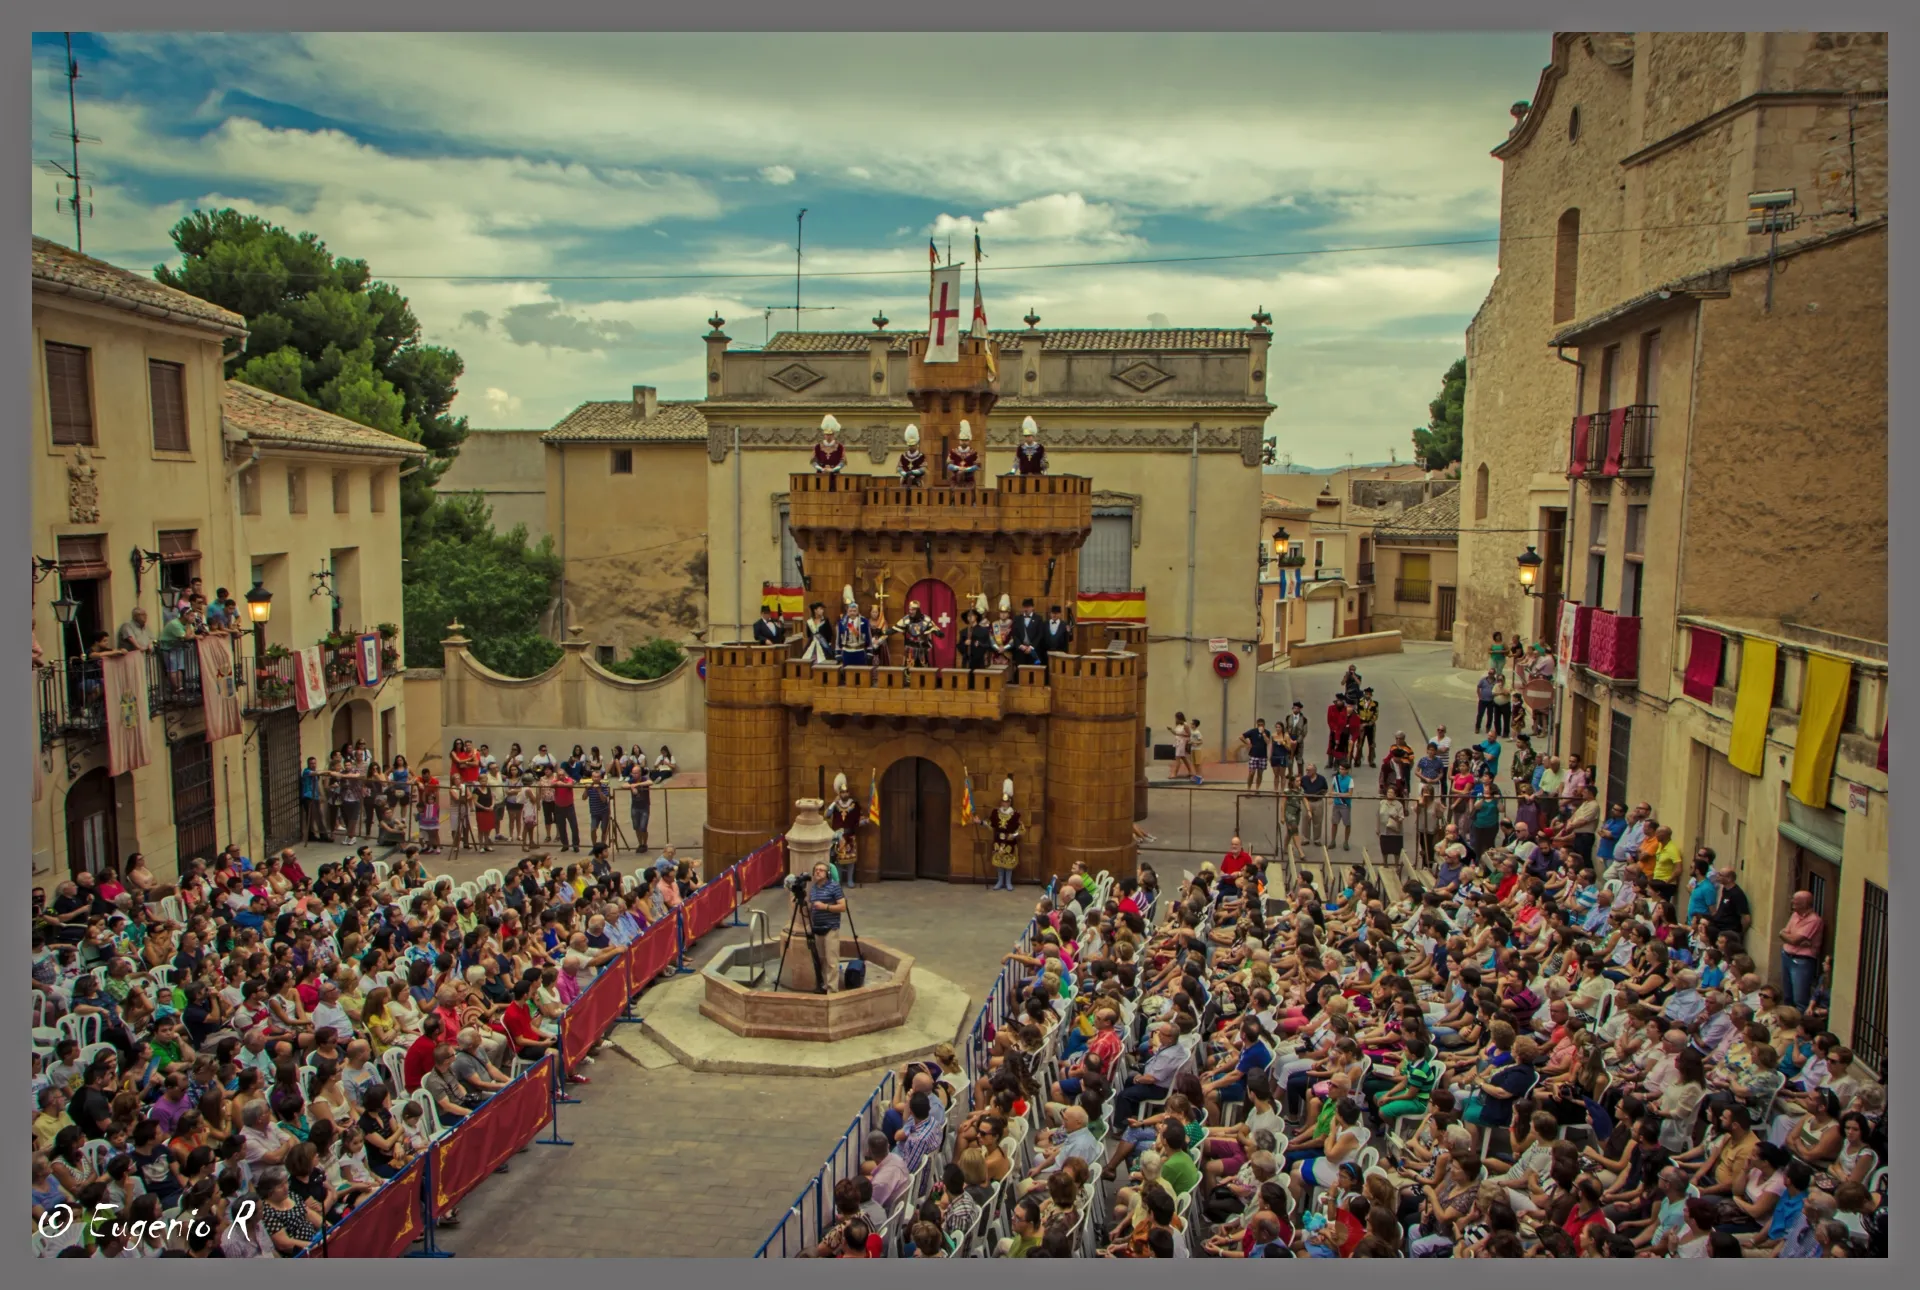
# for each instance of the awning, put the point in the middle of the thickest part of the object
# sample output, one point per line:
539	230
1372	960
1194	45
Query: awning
1810	841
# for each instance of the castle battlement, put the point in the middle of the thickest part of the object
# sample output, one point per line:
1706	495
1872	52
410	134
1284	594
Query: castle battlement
825	505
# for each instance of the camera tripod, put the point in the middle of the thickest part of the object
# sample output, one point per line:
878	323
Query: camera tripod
794	923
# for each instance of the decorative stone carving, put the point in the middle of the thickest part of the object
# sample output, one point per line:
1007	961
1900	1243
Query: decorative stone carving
796	377
1142	376
880	441
83	490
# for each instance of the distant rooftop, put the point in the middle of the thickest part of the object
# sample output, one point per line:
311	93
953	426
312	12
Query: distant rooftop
1438	518
618	421
268	418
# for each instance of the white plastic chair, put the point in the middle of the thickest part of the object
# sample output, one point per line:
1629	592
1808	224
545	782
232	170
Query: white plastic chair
97	1152
83	1027
395	1062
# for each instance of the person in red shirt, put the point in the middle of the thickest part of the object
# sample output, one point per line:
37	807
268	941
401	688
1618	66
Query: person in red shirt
527	1040
1236	859
1098	1058
566	819
1337	729
419	1061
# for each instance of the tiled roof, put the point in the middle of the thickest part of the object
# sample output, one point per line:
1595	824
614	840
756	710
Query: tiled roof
67	272
615	421
1015	403
268	418
1436	518
1107	340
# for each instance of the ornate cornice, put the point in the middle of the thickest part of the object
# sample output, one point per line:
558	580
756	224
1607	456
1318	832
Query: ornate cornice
881	441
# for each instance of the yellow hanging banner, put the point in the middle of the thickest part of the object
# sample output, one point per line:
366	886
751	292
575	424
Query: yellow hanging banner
1748	744
1823	707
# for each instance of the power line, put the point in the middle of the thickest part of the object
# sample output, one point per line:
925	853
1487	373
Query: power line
1010	268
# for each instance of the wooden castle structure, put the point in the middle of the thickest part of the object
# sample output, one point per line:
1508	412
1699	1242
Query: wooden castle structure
1071	734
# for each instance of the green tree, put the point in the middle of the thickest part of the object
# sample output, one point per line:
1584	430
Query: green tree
494	585
320	330
649	662
1438	443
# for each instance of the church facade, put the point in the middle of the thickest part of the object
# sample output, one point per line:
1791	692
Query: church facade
928	749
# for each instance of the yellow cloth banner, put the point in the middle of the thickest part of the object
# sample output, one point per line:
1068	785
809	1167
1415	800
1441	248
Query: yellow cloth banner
1751	705
1111	606
1823	706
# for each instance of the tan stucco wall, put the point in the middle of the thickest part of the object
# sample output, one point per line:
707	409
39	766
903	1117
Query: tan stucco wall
508	467
140	493
635	546
575	701
1342	648
1413	620
424	736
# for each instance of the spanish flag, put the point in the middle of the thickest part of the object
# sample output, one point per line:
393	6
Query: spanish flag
966	797
873	798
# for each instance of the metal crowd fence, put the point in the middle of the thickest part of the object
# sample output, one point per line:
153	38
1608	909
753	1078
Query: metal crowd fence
404	1211
442	818
806	1221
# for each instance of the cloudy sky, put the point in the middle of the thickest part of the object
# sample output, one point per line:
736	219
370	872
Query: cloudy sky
567	210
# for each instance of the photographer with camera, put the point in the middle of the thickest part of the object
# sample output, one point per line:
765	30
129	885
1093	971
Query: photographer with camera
825	903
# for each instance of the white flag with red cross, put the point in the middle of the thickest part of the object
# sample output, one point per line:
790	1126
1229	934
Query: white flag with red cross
944	311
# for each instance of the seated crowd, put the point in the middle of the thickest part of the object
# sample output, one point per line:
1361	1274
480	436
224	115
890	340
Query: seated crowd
260	1035
1515	1057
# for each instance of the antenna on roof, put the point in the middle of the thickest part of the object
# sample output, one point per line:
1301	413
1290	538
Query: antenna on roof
75	193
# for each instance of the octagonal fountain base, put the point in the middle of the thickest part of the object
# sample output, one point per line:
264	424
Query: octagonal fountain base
728	1018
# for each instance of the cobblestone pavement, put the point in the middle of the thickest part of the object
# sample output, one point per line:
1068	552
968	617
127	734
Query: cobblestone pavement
677	1163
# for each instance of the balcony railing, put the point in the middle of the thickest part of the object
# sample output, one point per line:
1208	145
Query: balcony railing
896	692
1366	574
269	684
72	701
1616	441
173	676
1411	591
1613	646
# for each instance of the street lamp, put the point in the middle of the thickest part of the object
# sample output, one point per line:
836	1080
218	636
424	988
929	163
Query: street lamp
259	605
1529	562
65	607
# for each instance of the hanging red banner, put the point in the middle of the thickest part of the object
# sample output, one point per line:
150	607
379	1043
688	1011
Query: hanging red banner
490	1136
593	1012
383	1225
706	909
651	954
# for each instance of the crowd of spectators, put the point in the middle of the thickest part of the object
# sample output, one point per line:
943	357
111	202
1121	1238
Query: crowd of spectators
1520	1051
226	1067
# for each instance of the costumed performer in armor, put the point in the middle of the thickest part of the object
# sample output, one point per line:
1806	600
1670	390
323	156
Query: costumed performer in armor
828	455
820	646
917	632
1003	633
843	817
1030	458
913	462
1005	822
856	634
963	463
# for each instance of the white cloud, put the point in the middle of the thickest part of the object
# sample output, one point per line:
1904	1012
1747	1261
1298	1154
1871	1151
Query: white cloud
501	404
1057	217
777	175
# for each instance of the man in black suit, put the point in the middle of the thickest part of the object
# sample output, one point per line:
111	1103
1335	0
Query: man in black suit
769	630
1029	637
1057	635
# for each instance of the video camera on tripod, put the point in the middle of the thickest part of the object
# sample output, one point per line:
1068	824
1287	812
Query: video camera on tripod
854	973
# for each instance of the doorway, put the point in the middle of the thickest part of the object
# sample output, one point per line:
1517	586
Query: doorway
280	779
1447	607
1553	535
936	602
193	800
1819	877
92	835
1320	616
916	809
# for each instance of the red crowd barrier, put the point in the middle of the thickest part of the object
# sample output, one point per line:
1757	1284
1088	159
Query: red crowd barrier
487	1138
594	1011
650	954
762	869
706	909
384	1224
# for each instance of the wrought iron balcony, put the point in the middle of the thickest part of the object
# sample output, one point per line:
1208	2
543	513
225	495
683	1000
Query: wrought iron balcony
269	683
72	701
1616	441
1411	591
173	676
1365	578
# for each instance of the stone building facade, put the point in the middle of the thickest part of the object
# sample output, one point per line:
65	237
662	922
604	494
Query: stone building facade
1688	419
1631	167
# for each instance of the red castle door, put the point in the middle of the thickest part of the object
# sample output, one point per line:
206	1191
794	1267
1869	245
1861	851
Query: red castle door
936	602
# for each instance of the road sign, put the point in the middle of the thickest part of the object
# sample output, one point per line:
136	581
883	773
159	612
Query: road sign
1218	645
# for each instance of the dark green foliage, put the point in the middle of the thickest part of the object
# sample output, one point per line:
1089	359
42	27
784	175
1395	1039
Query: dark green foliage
1438	443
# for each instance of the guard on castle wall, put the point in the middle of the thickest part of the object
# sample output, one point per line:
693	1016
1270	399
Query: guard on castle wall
856	634
913	462
963	463
820	637
1029	637
1057	635
843	817
829	456
1003	633
769	630
1005	822
975	645
917	632
1030	458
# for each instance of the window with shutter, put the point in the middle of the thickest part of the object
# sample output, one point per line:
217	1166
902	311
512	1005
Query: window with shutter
1106	560
69	394
341	480
789	553
167	386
